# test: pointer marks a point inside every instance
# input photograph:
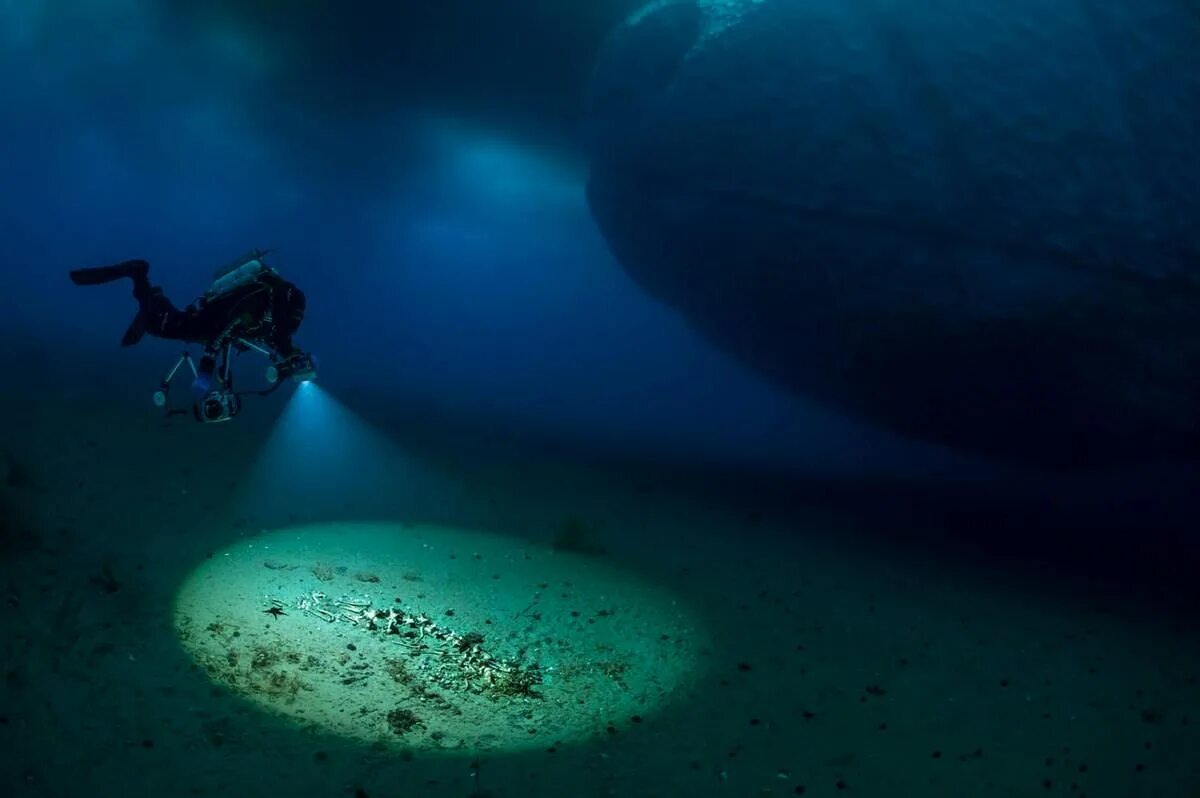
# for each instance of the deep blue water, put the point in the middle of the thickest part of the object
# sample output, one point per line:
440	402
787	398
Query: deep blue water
420	173
429	201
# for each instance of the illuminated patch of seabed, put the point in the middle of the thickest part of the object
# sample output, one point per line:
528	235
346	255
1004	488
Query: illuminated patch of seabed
589	641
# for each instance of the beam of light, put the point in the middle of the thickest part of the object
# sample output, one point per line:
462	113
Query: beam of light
481	172
437	638
323	461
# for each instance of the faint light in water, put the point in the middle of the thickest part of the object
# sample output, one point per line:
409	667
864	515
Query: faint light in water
321	459
502	173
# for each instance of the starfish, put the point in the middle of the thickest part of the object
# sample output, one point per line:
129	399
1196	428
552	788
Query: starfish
275	611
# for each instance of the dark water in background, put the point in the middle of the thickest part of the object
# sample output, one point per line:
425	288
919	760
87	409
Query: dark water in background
431	208
419	172
420	180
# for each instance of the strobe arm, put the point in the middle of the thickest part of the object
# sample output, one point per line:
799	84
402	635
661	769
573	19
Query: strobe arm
164	388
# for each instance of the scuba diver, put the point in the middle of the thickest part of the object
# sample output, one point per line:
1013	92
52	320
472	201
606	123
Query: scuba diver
248	307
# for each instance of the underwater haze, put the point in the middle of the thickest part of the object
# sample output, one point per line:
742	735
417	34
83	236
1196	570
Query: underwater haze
692	415
441	234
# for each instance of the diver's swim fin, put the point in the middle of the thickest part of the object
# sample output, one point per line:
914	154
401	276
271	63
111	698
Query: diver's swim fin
133	269
135	331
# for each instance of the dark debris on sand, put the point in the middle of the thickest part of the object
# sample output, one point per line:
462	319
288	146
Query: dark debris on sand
17	531
576	537
13	474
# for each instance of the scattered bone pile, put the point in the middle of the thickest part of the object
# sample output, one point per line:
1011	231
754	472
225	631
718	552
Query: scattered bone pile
447	658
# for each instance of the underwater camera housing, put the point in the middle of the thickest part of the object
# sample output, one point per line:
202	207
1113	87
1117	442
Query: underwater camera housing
217	406
222	402
300	367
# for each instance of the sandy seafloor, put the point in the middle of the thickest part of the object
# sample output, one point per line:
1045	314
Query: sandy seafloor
760	653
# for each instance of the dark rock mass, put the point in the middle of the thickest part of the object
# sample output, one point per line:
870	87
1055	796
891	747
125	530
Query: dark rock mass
974	223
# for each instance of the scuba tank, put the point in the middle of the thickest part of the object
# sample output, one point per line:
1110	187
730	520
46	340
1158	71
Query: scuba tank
242	271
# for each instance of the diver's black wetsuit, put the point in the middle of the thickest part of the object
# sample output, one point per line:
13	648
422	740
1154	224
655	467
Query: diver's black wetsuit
266	311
